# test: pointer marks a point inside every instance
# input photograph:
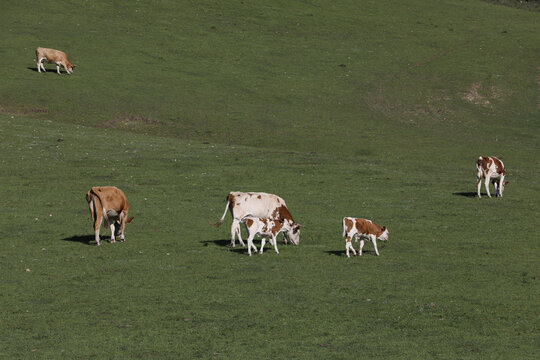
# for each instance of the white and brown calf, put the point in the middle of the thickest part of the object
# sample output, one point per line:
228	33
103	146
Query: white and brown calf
259	205
264	228
53	56
108	204
365	230
491	169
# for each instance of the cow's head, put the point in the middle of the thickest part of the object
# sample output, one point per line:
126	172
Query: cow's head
293	233
384	235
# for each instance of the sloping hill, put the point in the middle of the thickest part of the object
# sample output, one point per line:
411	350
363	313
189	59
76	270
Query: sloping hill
374	109
305	76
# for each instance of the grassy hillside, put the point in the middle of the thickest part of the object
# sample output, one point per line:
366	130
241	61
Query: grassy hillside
367	108
311	76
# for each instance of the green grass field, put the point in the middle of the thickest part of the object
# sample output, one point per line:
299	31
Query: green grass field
374	109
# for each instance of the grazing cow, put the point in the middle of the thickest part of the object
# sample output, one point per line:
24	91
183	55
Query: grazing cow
491	169
363	229
262	205
53	56
109	204
264	228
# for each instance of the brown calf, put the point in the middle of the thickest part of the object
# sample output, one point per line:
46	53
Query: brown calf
363	229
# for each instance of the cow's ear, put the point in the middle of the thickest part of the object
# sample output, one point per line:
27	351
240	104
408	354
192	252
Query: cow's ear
129	219
506	182
383	228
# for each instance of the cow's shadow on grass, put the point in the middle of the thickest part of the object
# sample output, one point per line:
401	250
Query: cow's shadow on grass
468	194
344	254
83	239
239	249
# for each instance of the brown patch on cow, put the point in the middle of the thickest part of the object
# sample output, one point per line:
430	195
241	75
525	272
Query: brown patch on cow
249	222
282	213
348	225
259	197
364	226
278	225
231	199
499	166
265	226
484	162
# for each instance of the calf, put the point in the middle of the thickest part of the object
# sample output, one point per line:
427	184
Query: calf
363	229
265	227
53	56
491	169
108	204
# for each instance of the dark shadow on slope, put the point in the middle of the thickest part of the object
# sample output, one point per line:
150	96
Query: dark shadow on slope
84	239
344	254
336	252
222	243
468	194
239	249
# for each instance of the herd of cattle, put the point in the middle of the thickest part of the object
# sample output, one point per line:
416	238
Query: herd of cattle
266	215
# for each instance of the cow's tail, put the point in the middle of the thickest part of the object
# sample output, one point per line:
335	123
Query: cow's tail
224	213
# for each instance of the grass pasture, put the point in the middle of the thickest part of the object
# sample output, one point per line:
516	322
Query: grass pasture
371	109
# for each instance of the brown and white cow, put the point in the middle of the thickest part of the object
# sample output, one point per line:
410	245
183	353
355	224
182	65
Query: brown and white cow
53	56
261	205
108	204
363	229
491	169
264	228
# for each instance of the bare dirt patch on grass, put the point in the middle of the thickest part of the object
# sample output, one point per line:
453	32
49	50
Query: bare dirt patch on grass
127	121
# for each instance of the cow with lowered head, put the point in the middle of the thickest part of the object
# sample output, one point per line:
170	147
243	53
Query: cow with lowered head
108	204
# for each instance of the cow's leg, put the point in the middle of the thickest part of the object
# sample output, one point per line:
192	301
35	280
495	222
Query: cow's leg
250	244
122	218
234	224
348	246
58	68
39	65
112	232
263	242
97	226
479	186
239	234
274	240
361	247
374	241
501	182
486	184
